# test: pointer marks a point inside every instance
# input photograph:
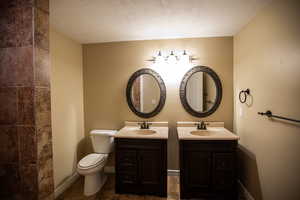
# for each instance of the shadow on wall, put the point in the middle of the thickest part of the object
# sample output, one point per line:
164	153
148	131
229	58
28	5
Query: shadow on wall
81	152
248	172
285	122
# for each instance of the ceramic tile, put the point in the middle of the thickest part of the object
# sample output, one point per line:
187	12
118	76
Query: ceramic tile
7	28
42	4
24	27
8	106
44	142
28	144
75	192
10	3
6	3
16	66
42	107
108	192
25	106
26	170
44	146
41	32
45	178
45	164
16	25
50	197
9	147
29	181
42	68
9	181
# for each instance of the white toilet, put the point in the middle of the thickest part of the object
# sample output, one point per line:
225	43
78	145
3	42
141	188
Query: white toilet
92	165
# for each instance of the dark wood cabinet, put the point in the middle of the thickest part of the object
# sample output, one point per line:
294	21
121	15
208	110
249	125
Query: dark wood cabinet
141	166
198	175
208	169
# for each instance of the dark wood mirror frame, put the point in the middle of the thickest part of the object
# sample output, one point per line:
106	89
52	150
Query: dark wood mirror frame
182	91
162	87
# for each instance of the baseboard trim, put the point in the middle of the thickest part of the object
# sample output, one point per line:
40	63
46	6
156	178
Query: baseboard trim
65	184
244	191
172	172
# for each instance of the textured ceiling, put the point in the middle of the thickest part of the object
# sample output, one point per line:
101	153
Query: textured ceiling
92	21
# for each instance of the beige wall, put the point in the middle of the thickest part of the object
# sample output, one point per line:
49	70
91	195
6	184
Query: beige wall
267	60
67	105
108	66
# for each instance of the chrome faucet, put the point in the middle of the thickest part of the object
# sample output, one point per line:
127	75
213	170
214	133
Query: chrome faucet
201	125
144	125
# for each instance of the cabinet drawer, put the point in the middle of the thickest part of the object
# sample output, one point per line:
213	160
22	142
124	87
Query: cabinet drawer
224	161
217	146
127	160
127	178
139	144
127	157
127	168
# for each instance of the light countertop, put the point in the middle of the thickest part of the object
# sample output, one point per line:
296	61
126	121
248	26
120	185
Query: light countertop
217	132
129	131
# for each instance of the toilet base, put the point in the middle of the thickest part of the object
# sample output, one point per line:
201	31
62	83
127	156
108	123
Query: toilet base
94	182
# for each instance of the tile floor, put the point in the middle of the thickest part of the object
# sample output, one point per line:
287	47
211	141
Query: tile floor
75	192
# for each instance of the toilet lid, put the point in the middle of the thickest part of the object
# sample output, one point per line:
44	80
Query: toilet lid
92	160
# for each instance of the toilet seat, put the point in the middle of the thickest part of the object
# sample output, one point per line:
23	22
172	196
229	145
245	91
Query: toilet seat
92	160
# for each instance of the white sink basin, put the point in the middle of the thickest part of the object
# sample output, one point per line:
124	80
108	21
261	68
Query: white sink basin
202	133
144	132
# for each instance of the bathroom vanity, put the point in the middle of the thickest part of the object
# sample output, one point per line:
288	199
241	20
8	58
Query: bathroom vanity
208	164
141	159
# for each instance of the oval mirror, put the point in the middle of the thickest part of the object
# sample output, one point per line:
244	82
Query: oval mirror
200	91
146	93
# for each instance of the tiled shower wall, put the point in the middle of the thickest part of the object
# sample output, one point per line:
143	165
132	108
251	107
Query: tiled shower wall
26	170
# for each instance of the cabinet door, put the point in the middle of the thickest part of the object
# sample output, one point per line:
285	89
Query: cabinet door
127	172
197	171
224	171
127	160
150	167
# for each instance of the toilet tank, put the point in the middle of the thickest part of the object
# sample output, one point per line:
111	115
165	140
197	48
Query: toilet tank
102	140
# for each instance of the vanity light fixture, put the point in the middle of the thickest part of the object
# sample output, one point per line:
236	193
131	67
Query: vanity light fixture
172	58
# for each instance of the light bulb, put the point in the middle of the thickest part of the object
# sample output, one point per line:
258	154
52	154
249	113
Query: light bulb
159	58
172	58
185	59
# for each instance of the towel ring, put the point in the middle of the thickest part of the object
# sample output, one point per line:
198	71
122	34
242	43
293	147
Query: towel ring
244	93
